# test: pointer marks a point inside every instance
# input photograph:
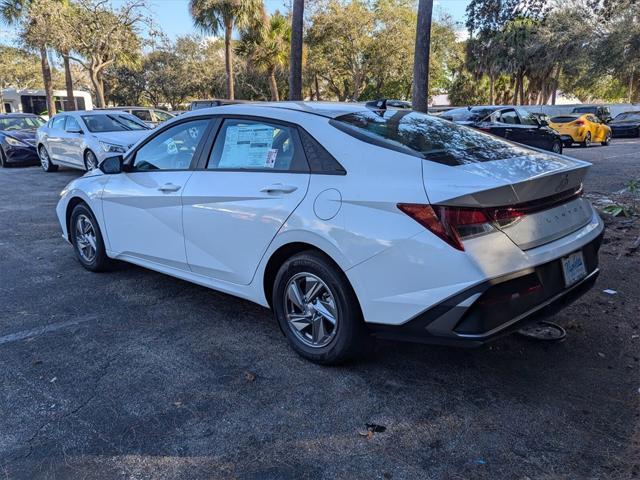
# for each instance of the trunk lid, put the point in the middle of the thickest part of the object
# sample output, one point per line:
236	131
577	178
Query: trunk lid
544	184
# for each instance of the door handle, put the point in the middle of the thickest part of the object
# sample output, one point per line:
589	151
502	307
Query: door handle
279	187
169	187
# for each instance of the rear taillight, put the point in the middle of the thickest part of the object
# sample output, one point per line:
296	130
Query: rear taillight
451	224
578	123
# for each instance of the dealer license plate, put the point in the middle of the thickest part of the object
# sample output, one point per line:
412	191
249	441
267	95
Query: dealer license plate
573	268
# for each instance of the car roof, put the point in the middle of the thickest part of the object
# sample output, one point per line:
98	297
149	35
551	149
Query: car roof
18	114
323	109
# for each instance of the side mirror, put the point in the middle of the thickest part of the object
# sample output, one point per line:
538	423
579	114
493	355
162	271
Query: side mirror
543	123
111	165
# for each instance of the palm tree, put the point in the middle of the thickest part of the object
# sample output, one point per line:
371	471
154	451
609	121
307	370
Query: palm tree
295	63
420	97
214	16
266	46
35	29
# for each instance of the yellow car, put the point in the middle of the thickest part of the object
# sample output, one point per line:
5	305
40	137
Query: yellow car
584	129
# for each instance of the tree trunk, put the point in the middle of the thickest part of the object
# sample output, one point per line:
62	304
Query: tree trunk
631	87
68	80
556	81
317	87
48	82
1	101
273	85
420	97
522	99
98	86
228	59
492	93
516	90
295	59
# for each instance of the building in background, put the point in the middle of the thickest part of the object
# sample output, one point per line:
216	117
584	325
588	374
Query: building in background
35	101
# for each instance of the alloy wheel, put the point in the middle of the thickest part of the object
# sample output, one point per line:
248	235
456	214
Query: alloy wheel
91	161
85	238
557	147
311	310
44	158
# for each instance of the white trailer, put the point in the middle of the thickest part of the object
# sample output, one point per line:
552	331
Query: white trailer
35	101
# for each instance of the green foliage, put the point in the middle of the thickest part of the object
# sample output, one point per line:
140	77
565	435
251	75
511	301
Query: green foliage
19	69
466	90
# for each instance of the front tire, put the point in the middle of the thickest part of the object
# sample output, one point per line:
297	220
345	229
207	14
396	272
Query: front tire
607	140
86	239
90	161
586	143
317	309
557	147
3	159
45	160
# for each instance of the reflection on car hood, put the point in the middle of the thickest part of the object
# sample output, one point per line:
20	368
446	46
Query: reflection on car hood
126	138
28	135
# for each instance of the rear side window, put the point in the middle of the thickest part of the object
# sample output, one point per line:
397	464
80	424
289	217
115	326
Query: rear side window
144	115
426	137
564	118
475	114
58	122
509	116
253	145
320	161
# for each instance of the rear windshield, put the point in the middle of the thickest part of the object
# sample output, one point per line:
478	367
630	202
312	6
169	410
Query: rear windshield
564	118
117	122
585	109
628	116
467	115
426	136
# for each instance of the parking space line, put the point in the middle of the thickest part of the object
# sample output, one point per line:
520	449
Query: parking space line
14	337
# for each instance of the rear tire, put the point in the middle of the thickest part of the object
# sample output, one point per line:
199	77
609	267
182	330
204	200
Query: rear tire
317	309
45	160
86	238
587	141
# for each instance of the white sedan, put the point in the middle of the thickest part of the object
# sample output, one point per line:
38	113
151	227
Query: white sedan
82	139
346	220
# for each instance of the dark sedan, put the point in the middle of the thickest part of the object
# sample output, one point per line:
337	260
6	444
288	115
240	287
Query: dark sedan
626	124
512	123
17	138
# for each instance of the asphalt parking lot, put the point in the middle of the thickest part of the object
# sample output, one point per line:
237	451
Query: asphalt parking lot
135	375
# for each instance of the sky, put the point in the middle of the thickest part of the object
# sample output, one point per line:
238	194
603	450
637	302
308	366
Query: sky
172	16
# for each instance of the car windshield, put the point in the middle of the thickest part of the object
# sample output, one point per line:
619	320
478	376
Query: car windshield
116	122
429	137
20	123
467	115
628	116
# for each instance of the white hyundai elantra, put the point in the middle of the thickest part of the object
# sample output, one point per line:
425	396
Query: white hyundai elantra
346	220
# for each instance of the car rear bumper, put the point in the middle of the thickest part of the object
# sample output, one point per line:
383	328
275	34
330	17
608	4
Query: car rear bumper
498	306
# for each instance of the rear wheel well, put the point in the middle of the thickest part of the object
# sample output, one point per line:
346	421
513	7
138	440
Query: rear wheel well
280	256
70	206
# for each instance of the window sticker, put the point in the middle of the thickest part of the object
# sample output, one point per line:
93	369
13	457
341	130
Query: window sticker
247	146
271	158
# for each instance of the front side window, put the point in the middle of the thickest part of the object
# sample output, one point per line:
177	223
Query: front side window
162	116
509	116
253	145
172	149
116	122
526	118
72	125
58	122
426	136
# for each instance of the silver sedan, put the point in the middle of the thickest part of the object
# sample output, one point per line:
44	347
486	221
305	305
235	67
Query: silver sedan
83	139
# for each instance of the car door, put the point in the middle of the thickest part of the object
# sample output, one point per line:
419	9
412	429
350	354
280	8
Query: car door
505	124
142	206
255	176
597	130
55	133
72	141
531	132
